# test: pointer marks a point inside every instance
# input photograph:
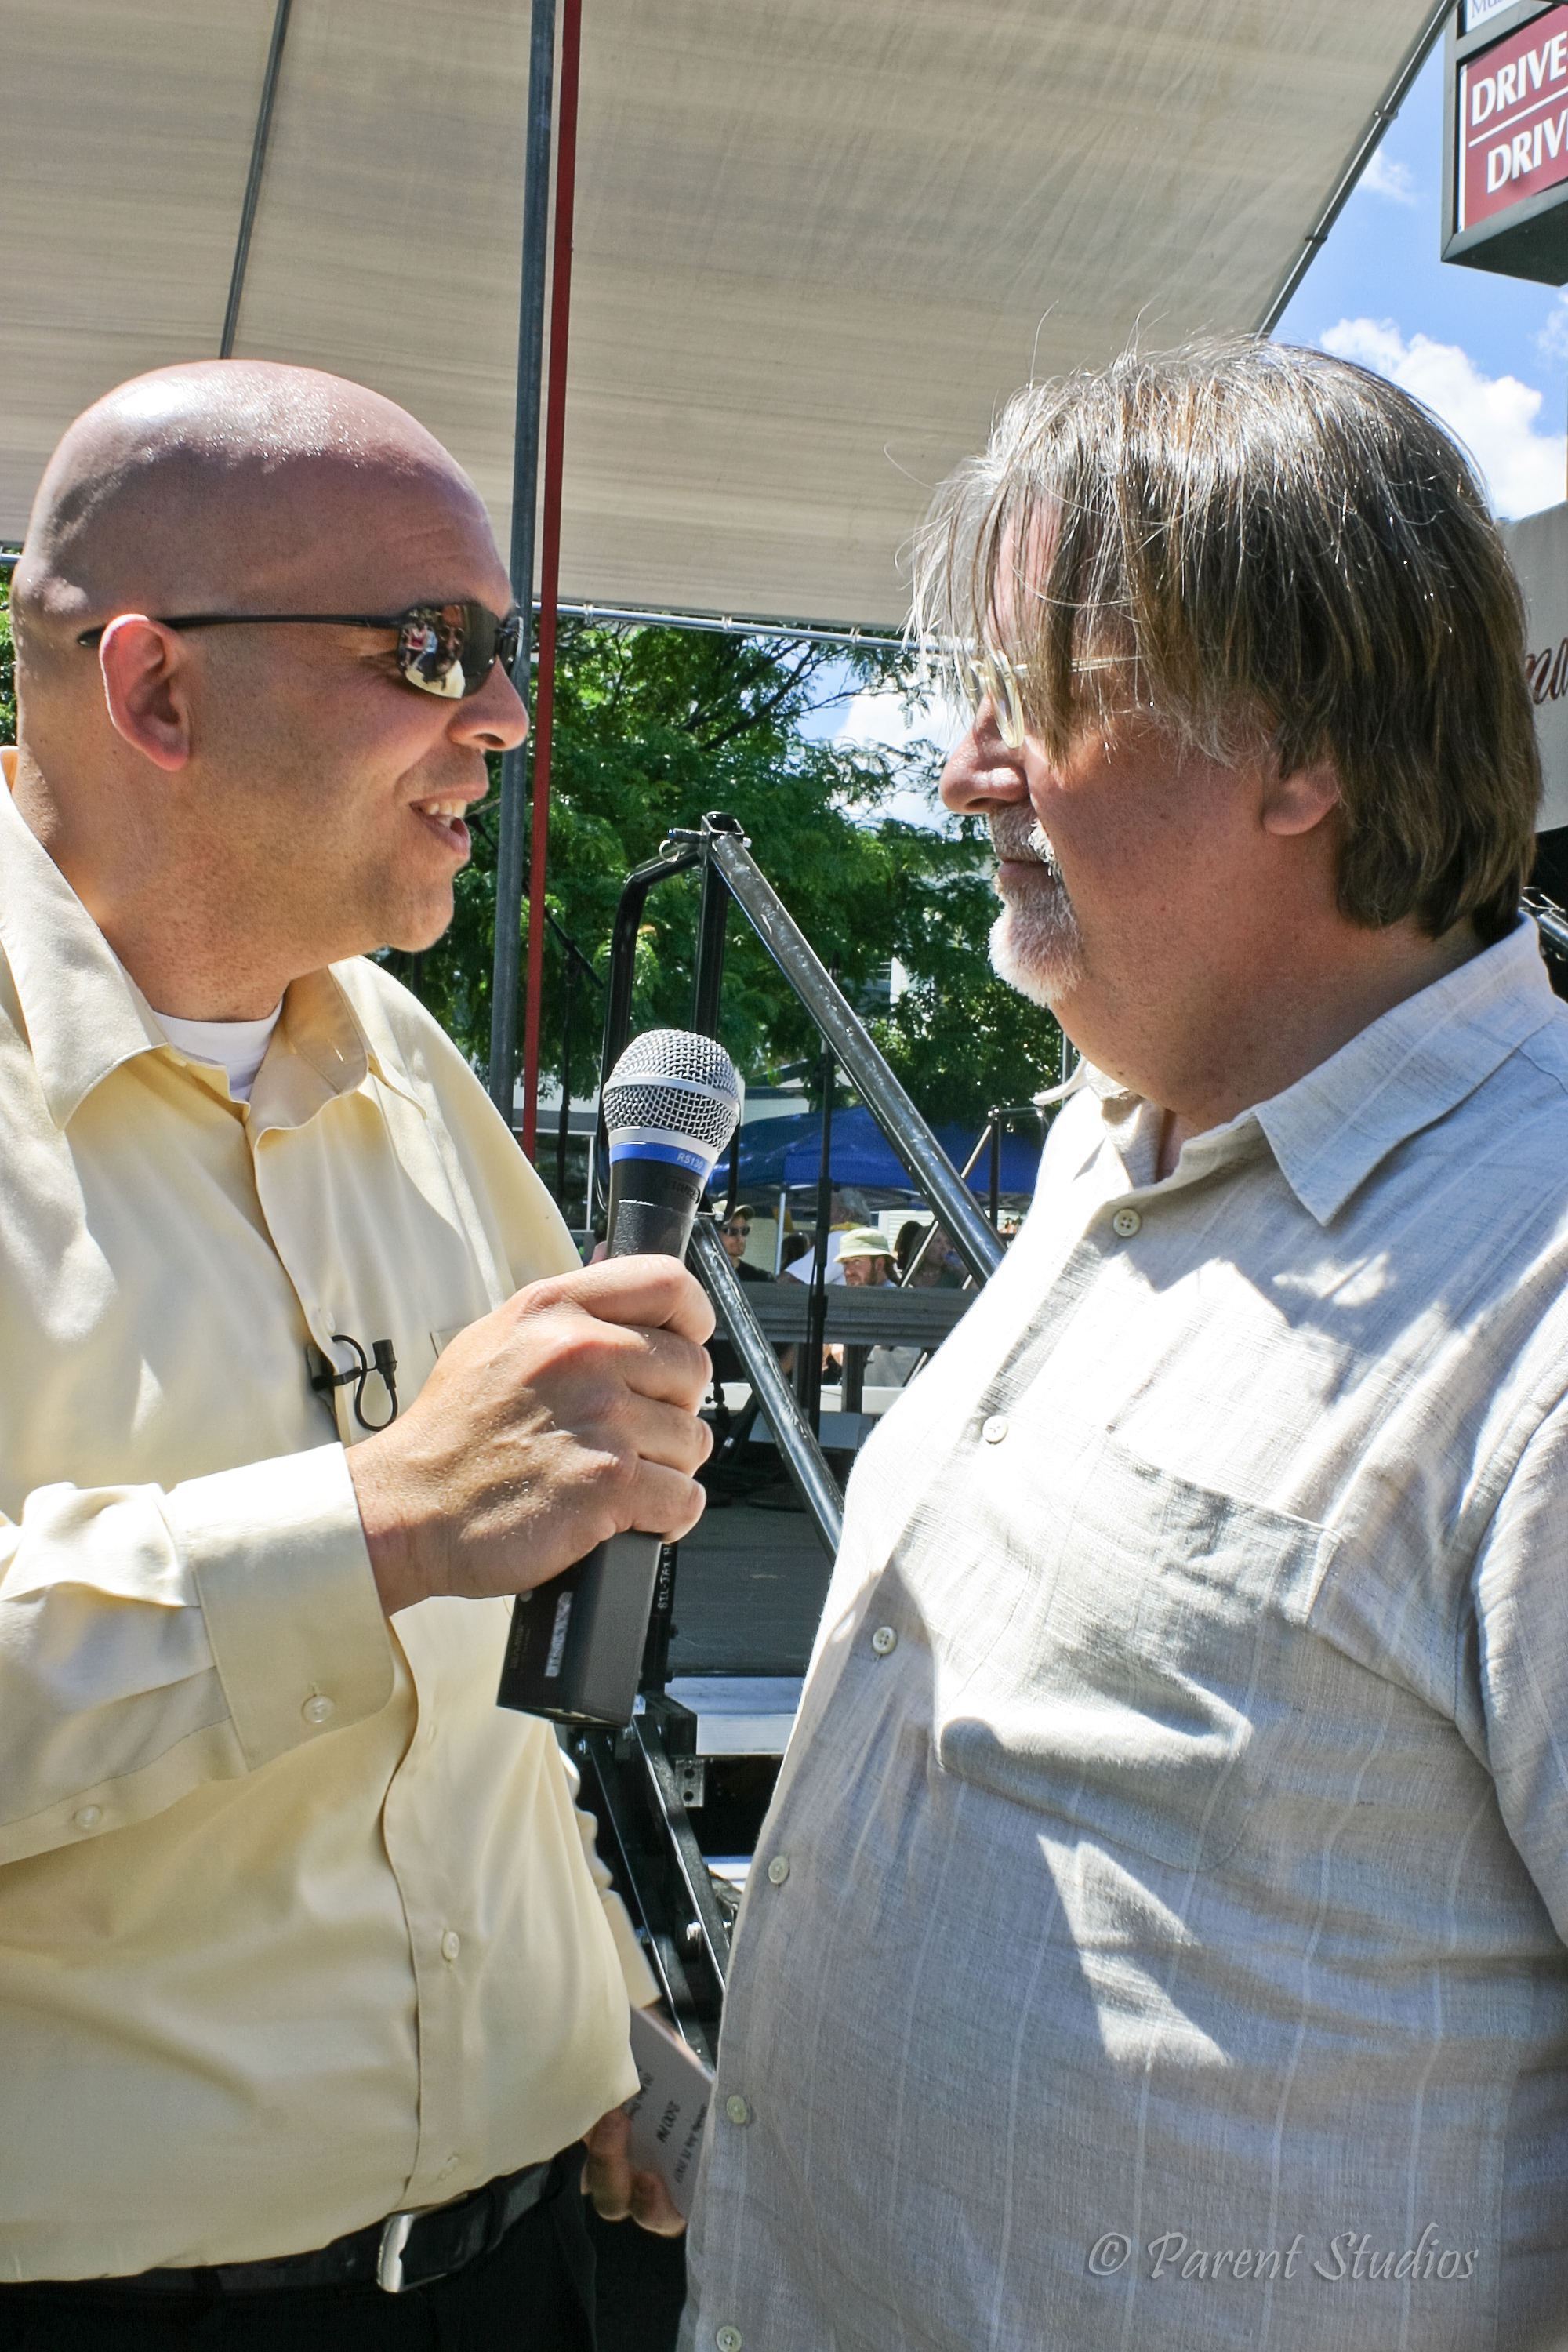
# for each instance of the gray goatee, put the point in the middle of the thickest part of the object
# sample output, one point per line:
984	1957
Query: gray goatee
1035	945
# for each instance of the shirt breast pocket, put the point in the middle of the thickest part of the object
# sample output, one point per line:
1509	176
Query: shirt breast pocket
1140	1652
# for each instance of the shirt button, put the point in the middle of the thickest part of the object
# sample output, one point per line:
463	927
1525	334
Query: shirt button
318	1709
778	1869
737	2110
728	2339
994	1430
88	1817
451	1944
1126	1223
883	1640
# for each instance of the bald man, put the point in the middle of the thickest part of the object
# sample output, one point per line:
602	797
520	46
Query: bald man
308	1981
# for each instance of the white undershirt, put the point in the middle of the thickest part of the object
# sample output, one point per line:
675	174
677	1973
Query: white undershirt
236	1046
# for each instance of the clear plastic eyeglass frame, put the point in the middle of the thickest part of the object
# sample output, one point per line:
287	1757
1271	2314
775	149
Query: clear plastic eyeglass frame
989	676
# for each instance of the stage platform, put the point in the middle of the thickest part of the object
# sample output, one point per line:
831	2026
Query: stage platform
748	1589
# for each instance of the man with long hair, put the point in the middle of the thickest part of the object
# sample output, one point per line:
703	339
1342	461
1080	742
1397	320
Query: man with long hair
1158	1933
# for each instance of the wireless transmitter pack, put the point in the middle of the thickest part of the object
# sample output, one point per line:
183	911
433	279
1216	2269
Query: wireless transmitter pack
576	1648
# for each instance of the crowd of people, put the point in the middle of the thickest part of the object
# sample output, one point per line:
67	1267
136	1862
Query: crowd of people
859	1257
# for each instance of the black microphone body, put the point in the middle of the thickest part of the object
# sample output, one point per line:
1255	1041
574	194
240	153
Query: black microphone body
575	1651
653	1207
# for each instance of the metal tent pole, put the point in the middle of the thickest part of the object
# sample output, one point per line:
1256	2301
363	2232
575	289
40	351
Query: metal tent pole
564	1125
253	179
550	567
816	1311
524	500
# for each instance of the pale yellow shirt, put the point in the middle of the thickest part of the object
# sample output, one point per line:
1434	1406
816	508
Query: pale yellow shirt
297	1927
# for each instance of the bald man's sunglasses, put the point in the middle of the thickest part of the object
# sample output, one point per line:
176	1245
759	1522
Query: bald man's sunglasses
445	649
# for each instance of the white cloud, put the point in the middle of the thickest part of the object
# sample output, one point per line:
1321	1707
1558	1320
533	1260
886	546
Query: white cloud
1552	342
1494	416
883	722
1383	178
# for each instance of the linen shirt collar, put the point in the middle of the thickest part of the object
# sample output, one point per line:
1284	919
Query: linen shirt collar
1402	1073
84	1015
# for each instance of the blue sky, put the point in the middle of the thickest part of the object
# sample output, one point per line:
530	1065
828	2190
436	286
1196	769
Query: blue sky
1488	353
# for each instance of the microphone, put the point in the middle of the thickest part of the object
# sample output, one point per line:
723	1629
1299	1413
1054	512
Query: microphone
575	1649
671	1103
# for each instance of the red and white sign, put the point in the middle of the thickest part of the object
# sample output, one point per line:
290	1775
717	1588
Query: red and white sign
1513	119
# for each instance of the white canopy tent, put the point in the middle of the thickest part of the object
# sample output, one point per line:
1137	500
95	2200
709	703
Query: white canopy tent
816	244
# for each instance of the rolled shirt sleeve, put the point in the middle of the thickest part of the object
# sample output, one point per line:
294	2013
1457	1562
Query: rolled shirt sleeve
153	1641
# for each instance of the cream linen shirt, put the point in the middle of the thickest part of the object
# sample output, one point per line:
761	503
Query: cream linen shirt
297	1927
1157	1941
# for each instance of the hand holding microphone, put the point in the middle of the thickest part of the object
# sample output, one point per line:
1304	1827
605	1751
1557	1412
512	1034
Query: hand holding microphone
671	1105
567	1415
555	1426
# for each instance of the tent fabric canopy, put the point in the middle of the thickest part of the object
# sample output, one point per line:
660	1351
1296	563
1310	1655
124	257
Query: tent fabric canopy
816	246
777	1152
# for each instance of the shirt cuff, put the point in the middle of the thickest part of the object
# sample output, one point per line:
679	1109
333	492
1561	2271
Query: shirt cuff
293	1614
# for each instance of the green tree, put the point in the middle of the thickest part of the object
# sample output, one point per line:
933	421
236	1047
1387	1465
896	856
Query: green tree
655	726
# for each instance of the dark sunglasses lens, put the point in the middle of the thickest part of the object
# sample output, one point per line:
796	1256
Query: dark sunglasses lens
451	649
433	649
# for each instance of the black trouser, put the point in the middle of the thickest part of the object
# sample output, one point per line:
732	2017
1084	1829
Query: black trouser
533	2293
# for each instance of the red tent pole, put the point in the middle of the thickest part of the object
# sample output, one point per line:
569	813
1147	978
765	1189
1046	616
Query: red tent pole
549	560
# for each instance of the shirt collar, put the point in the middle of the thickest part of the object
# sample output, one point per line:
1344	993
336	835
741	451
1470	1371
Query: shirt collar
1406	1071
84	1015
1402	1073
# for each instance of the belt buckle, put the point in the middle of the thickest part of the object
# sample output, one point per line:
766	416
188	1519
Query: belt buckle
389	2257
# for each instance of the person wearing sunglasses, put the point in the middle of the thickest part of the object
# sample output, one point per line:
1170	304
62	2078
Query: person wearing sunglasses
735	1232
310	1987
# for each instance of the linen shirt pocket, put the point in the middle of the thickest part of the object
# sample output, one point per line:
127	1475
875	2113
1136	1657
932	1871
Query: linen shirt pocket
1142	1630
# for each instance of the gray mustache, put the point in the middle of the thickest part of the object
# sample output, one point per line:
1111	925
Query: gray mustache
1009	842
1043	851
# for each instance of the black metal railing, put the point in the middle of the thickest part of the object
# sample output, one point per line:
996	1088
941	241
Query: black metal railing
730	875
729	872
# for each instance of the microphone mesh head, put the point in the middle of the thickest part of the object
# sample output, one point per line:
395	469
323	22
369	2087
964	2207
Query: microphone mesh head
678	1083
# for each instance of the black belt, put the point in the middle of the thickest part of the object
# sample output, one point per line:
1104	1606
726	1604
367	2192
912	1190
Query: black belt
406	2249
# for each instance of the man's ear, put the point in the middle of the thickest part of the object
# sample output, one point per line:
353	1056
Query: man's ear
1295	803
144	685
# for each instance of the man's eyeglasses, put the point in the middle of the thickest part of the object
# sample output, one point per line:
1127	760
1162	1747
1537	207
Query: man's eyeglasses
990	676
445	650
740	1232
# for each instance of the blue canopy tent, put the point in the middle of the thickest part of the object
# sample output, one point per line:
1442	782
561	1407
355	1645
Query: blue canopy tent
777	1152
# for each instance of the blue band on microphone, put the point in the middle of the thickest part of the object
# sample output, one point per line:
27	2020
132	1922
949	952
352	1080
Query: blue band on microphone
646	1147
